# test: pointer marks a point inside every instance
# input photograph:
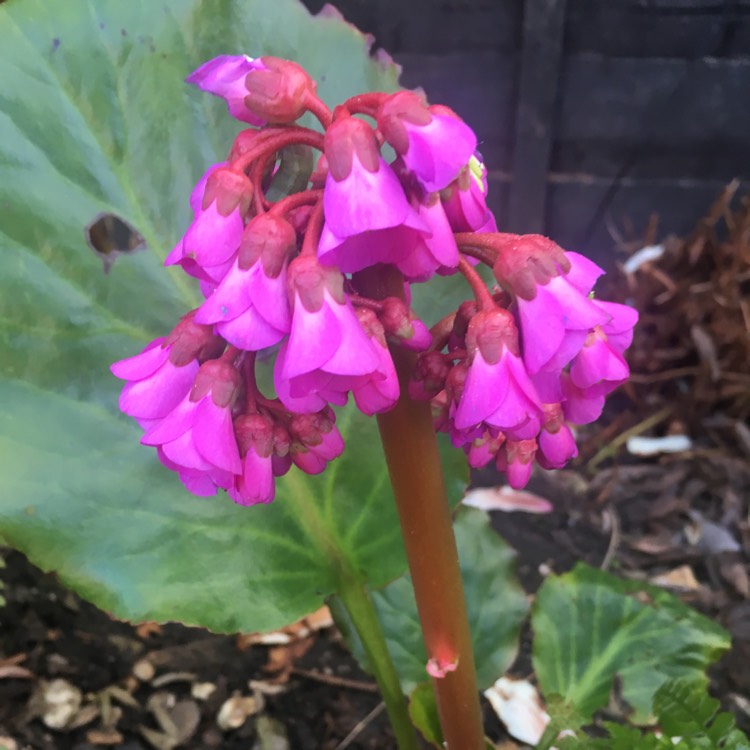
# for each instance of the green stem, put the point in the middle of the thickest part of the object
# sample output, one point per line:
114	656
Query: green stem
416	475
358	604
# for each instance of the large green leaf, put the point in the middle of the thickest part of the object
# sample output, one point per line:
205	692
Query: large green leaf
590	627
95	119
495	601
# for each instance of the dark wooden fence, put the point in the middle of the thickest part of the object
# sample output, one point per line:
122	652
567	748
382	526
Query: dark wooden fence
592	114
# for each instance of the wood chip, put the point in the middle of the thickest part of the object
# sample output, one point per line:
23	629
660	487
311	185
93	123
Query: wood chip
679	579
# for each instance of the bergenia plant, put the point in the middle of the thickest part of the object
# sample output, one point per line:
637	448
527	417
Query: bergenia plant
320	282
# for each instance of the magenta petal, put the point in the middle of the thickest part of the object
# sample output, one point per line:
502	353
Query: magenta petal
355	354
583	272
596	363
352	254
176	423
270	298
580	313
198	483
196	196
231	298
377	395
580	407
212	239
213	434
176	254
557	448
441	242
332	445
313	339
486	386
141	365
155	397
250	331
225	76
547	385
256	484
312	402
309	462
364	200
542	329
184	453
439	150
518	474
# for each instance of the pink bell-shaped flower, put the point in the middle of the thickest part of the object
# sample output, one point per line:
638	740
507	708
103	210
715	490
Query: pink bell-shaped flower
401	325
327	353
163	373
255	438
434	142
368	218
250	307
212	240
516	459
554	311
497	391
225	76
465	200
379	392
557	445
434	250
598	368
580	406
316	441
197	435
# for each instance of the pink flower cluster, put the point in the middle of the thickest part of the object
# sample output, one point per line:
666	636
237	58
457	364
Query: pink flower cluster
506	372
522	365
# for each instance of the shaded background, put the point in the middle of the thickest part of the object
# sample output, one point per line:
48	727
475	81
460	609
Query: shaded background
592	114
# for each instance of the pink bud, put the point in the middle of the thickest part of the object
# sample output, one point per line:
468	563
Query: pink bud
278	91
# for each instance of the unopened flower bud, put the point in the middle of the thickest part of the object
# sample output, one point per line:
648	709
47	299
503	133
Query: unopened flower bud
221	379
278	90
403	326
516	459
254	431
189	341
310	280
491	332
270	238
433	142
526	261
345	139
230	190
429	376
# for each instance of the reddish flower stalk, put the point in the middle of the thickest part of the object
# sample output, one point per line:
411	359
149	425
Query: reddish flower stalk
415	470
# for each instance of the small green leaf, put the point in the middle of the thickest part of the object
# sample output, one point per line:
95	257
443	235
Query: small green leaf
590	626
688	720
424	713
496	606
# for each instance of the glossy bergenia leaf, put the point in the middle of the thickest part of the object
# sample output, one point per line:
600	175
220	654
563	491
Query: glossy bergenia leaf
97	124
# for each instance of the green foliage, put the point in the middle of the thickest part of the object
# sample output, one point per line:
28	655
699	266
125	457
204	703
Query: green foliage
97	120
590	627
688	720
423	712
496	606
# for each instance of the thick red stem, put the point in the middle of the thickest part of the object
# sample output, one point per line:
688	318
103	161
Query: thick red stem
416	475
481	293
273	143
295	200
319	108
314	228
